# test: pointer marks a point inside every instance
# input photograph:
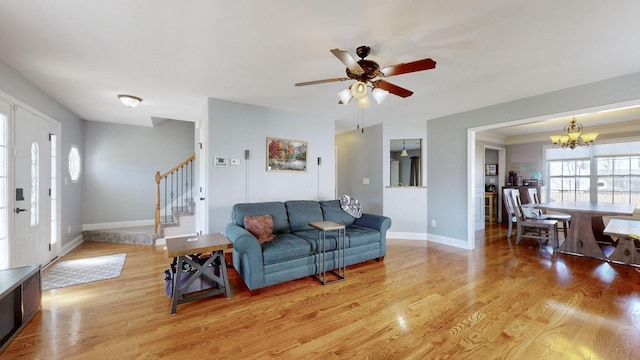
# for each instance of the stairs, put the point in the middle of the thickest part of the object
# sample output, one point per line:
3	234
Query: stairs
138	235
182	222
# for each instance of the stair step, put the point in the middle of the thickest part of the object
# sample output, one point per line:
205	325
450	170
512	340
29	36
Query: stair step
138	235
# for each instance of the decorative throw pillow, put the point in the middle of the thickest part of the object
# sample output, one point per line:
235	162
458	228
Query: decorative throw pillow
261	227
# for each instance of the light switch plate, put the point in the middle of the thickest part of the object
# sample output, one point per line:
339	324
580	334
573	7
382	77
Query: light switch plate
235	162
365	181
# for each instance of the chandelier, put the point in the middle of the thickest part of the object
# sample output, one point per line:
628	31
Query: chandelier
573	136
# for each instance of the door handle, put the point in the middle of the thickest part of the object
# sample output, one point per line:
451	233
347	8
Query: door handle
18	210
201	199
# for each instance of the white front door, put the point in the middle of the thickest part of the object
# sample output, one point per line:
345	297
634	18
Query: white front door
5	197
32	240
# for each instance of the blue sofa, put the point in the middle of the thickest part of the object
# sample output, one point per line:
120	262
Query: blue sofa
293	253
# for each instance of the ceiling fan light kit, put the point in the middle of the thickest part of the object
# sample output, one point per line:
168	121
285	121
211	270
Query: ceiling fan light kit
359	90
379	95
366	73
573	137
364	102
345	96
129	100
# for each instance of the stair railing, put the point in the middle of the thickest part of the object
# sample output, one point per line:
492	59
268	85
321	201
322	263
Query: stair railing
176	185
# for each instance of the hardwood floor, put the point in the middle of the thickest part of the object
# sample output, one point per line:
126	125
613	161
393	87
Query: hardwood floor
425	301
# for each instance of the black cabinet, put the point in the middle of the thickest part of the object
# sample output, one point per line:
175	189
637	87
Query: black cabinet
20	300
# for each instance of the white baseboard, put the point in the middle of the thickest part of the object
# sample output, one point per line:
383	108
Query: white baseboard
448	241
116	225
71	245
428	237
406	235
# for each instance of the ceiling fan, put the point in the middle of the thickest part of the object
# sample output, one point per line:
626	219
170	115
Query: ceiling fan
366	72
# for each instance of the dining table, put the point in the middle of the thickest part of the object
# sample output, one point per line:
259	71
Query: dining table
580	239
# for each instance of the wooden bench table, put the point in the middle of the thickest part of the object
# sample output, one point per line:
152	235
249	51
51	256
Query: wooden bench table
181	248
625	252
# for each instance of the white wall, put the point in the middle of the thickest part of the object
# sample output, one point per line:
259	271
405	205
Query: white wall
359	160
234	128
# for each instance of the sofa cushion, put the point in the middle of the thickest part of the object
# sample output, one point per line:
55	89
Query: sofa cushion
260	226
276	209
285	247
332	211
301	213
359	235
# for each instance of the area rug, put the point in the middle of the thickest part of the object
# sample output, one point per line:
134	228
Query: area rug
82	271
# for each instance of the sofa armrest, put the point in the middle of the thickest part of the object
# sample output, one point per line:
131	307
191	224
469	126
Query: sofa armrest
376	222
247	255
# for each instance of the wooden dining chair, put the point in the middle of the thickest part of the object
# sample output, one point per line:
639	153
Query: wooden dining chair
565	219
534	228
511	213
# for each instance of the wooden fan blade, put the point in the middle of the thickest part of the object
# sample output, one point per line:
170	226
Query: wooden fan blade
321	81
394	89
419	65
348	60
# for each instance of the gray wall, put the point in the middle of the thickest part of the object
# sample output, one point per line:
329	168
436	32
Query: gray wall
360	156
119	167
234	128
449	206
526	159
23	90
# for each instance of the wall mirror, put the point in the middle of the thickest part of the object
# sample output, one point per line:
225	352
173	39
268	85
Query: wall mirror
406	162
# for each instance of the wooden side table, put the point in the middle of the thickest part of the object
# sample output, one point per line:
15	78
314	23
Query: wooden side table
491	206
181	248
341	268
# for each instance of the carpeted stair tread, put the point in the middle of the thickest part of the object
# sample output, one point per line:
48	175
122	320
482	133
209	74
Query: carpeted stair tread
138	235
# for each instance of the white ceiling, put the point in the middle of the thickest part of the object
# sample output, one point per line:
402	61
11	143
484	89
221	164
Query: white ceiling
176	54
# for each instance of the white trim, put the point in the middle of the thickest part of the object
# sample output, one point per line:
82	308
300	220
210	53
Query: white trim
116	225
471	170
71	245
444	240
438	239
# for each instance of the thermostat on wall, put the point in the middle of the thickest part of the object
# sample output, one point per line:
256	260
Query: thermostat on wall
220	161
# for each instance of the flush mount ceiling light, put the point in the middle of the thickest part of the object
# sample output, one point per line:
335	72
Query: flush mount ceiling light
129	100
573	136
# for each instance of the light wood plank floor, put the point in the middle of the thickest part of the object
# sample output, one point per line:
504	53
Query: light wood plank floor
425	301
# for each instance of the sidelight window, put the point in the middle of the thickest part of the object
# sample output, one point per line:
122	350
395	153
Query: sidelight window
35	183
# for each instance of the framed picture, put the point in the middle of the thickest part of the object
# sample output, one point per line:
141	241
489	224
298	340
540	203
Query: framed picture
491	169
286	155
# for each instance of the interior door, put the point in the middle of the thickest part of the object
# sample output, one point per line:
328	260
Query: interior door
202	227
31	243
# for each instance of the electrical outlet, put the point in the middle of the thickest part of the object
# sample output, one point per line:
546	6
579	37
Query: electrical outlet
433	223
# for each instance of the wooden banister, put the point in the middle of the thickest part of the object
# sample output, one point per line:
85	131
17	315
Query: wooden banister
159	177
